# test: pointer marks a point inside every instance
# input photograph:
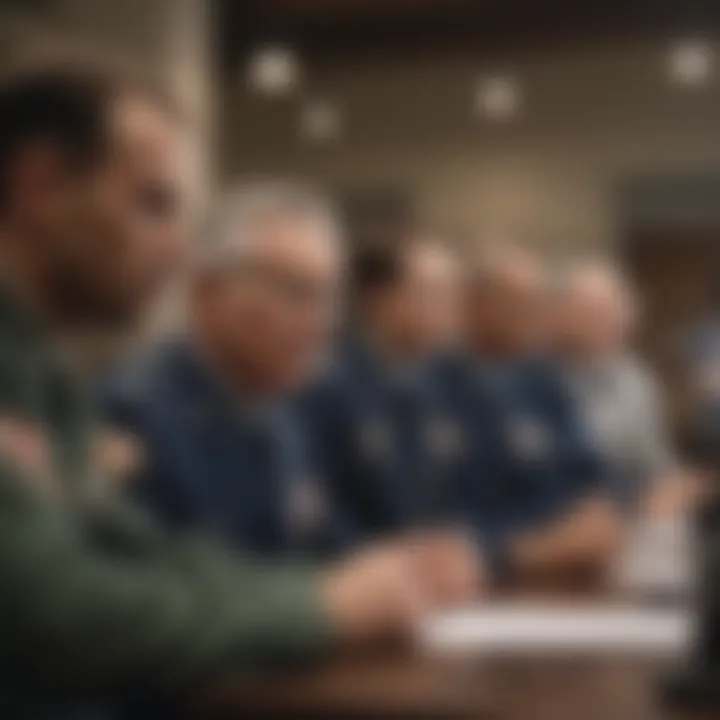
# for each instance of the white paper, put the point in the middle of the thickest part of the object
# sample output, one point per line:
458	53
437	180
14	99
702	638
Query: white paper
528	628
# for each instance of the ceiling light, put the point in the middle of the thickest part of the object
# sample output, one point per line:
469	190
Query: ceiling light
273	70
692	63
498	98
320	121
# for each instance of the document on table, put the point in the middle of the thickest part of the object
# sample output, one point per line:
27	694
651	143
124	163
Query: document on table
527	628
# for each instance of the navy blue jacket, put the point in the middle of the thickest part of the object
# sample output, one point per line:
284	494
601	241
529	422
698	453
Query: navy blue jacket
211	464
529	457
387	442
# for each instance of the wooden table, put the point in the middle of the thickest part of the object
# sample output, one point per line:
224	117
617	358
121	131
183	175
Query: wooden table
407	684
389	685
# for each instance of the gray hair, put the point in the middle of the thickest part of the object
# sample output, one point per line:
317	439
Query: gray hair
242	210
597	269
491	263
598	272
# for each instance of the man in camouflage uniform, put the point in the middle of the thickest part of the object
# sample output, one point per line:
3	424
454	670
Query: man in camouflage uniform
94	600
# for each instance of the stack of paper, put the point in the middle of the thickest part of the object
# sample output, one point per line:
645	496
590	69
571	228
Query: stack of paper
541	628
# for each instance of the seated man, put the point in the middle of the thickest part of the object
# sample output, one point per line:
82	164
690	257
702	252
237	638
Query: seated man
384	433
223	449
532	484
617	394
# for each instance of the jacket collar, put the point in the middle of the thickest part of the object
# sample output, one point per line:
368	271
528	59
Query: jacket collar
195	371
369	360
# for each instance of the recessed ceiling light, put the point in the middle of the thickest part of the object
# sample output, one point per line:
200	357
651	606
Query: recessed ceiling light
692	63
320	121
273	70
498	98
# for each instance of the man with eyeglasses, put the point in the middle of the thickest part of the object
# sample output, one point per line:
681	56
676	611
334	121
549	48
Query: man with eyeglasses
223	447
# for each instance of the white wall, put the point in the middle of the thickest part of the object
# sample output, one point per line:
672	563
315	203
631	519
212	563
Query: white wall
594	117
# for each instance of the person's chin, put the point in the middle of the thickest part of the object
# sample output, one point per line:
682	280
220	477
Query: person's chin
119	316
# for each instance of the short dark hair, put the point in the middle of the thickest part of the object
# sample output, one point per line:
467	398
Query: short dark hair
376	266
63	105
381	263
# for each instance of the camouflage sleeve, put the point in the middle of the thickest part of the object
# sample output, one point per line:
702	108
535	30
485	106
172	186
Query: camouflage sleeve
160	612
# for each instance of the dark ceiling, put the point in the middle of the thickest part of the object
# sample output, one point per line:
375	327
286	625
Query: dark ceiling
340	28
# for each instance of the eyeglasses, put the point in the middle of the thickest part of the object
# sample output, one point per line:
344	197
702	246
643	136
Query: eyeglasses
293	287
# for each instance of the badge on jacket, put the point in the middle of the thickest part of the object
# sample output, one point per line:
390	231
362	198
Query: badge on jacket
375	440
306	505
444	439
530	438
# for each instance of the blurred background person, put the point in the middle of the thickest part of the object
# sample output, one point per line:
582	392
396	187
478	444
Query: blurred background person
384	433
223	449
532	479
381	429
597	316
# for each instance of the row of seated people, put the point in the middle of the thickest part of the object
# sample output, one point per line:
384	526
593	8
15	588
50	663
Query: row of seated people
471	394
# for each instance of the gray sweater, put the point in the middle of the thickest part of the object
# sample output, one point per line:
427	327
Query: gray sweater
621	403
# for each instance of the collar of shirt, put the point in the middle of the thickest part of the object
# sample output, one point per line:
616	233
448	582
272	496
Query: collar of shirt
28	337
599	375
395	374
220	395
495	373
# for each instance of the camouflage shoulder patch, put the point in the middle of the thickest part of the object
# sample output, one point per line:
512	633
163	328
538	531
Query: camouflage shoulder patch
27	445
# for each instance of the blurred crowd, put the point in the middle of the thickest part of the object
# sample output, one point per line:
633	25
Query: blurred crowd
340	438
323	396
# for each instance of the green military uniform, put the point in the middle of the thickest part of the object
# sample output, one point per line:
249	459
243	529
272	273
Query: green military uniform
93	597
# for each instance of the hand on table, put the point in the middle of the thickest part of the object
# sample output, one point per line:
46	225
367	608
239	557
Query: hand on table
448	566
386	591
678	495
588	537
596	532
373	595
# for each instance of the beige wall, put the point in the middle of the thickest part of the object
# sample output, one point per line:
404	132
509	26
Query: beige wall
594	117
169	40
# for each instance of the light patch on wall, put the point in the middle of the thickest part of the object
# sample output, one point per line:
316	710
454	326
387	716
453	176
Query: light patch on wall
499	98
320	121
692	63
274	70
